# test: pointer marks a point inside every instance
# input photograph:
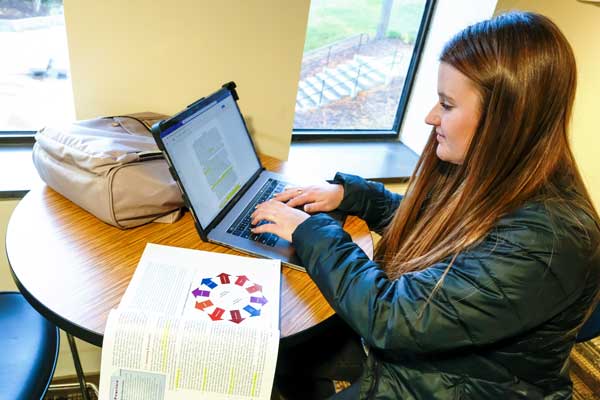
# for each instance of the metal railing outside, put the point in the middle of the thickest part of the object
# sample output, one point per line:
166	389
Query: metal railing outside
362	69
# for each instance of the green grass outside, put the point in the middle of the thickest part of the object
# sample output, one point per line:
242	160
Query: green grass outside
333	20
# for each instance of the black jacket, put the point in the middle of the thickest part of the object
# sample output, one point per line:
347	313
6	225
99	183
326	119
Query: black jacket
501	327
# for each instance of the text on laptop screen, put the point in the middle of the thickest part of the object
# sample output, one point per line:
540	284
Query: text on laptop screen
212	154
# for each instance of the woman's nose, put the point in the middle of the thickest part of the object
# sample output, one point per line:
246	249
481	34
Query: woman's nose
433	118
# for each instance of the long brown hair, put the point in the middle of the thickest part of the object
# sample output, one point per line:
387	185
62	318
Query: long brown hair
524	70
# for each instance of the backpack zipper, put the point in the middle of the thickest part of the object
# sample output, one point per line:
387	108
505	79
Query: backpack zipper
150	155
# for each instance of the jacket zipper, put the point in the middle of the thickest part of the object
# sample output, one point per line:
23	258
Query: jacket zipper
371	391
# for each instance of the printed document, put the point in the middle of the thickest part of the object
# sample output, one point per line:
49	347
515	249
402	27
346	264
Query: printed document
193	324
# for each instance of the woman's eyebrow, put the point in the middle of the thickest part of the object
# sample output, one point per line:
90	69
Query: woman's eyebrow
444	96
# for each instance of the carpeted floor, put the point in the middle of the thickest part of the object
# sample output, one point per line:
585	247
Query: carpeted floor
585	370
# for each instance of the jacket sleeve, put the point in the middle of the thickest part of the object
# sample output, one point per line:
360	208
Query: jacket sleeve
368	200
511	282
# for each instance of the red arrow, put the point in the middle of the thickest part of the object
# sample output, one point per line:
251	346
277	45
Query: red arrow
236	316
241	280
216	315
254	288
224	277
203	305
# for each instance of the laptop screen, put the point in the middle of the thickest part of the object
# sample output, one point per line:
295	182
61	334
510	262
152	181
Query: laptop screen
212	153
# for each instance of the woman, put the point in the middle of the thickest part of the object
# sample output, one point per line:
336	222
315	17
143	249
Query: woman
490	264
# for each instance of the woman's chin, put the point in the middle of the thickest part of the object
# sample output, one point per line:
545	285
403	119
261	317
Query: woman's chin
443	155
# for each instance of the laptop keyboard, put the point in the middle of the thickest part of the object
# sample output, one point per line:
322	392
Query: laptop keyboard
241	226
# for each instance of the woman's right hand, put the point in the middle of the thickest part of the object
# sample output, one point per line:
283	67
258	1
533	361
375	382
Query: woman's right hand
315	198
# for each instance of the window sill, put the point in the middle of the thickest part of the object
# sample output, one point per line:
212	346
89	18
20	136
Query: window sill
389	162
17	173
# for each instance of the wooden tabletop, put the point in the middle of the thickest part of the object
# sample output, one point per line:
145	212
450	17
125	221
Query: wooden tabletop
74	269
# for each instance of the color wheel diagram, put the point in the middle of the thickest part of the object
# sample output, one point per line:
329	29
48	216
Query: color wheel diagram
229	297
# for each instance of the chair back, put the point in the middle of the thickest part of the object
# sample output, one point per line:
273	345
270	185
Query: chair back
28	349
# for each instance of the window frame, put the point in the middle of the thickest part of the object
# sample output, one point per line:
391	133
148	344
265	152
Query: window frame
299	135
25	137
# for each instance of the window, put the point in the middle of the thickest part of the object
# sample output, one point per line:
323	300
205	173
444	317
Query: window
358	65
35	85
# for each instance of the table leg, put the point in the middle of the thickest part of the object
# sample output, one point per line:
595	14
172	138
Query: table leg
78	369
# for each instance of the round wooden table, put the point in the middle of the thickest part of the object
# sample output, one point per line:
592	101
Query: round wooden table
74	269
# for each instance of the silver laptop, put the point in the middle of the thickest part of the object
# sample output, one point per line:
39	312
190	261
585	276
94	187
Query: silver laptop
212	158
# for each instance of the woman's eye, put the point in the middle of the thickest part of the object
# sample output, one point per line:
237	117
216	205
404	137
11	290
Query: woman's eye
446	106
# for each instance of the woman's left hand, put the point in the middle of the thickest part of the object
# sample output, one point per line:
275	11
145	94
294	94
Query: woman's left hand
283	220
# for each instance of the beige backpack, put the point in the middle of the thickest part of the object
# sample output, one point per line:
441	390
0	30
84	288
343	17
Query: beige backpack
111	167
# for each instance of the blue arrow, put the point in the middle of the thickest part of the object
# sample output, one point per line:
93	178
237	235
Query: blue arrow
208	282
252	311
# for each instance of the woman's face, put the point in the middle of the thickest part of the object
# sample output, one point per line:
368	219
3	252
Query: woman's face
456	115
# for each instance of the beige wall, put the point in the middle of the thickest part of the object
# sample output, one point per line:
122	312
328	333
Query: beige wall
580	23
140	55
